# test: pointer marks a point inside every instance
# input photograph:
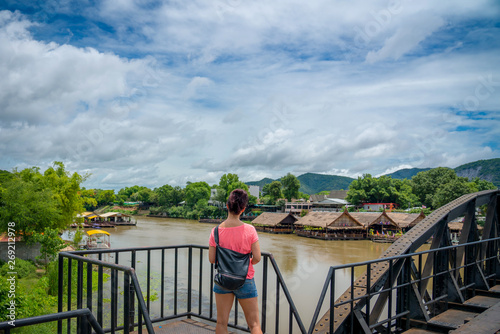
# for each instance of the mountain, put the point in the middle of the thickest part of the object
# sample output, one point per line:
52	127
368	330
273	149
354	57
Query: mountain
260	183
407	173
488	170
311	183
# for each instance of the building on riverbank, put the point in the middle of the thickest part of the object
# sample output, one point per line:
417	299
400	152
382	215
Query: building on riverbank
296	208
330	226
278	223
356	225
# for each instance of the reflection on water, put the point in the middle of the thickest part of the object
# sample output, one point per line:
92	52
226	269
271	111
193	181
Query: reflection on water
303	262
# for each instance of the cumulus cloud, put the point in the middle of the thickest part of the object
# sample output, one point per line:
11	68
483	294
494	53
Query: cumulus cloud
186	91
49	83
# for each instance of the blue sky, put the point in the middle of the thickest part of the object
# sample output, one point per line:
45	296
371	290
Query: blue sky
156	92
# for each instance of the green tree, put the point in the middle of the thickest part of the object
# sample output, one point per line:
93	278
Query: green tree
252	200
480	185
88	198
384	189
359	189
291	186
273	191
220	196
51	243
451	190
105	197
178	195
237	185
164	195
36	201
197	191
226	180
227	183
425	184
145	195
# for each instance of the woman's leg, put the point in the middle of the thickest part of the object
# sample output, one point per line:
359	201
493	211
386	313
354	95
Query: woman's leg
250	307
224	303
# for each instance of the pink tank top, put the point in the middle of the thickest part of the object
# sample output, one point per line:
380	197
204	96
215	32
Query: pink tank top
239	239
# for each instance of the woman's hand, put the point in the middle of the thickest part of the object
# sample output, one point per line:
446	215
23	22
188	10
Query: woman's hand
211	254
255	252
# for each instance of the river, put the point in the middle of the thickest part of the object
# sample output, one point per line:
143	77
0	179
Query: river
303	262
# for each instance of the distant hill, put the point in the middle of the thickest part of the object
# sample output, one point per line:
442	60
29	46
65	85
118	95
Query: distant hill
488	170
407	173
260	183
311	183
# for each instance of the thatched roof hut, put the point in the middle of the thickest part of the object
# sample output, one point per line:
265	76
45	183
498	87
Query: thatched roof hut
318	219
346	222
366	218
274	219
406	220
330	220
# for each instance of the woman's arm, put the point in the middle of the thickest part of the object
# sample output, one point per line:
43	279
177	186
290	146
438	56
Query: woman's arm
256	252
211	254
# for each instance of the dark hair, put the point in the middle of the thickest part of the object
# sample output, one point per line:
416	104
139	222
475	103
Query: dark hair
237	201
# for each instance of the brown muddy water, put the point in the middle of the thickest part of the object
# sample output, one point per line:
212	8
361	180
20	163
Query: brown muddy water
303	262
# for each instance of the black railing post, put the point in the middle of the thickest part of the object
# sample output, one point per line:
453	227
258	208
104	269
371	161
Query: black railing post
60	287
79	294
200	286
89	292
211	314
175	279
264	294
368	294
332	301
70	278
162	276
277	315
148	283
190	278
114	298
100	278
126	303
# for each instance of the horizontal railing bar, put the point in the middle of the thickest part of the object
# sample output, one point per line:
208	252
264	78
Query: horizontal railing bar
84	312
96	262
397	257
146	248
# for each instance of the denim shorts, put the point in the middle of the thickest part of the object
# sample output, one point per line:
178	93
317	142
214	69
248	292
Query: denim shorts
248	290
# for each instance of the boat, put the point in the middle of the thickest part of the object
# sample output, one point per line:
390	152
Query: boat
97	239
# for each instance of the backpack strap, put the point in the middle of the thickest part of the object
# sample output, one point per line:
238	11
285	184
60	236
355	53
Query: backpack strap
216	237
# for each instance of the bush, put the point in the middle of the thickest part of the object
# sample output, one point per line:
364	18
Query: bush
23	268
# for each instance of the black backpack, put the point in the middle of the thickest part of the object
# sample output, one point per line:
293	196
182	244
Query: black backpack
231	266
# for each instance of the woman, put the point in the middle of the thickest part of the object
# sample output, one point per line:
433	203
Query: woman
243	238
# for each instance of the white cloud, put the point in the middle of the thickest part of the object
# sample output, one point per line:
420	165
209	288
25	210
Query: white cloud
178	91
49	83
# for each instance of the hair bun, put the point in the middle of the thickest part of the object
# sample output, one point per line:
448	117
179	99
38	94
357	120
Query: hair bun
237	201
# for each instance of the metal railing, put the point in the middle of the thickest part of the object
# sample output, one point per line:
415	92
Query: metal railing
407	298
168	283
79	314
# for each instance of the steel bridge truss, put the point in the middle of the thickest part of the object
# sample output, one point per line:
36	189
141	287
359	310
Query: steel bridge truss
402	288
